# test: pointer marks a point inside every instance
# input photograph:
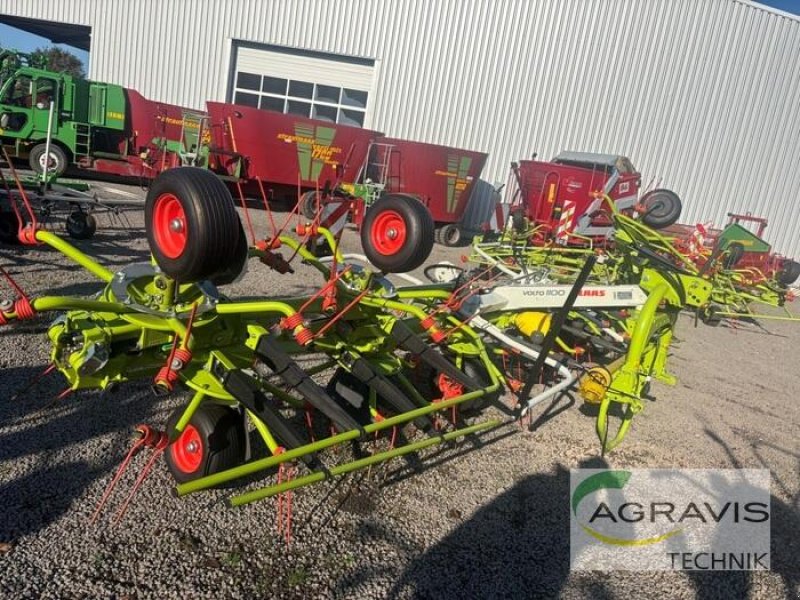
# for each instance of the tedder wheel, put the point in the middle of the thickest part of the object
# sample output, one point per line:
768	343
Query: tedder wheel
789	273
308	204
213	440
397	233
57	159
733	254
426	380
449	235
662	208
476	370
233	269
81	225
8	228
192	227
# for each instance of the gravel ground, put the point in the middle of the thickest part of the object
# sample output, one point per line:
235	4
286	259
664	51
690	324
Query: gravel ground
487	519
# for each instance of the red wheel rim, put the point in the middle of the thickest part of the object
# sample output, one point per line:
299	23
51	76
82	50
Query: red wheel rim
388	233
187	450
169	225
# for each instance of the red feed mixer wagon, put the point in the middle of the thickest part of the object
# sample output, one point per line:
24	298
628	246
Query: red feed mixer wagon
284	151
441	177
156	136
343	168
563	198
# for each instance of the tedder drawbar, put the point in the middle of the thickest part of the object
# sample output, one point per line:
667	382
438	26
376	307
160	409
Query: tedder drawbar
358	357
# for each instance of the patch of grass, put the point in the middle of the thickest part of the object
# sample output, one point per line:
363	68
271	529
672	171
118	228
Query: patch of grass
297	577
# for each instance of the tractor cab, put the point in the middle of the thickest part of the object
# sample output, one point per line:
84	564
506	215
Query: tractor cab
25	100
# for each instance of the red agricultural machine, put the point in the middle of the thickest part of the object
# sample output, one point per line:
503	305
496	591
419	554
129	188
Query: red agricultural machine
746	249
344	168
55	121
563	200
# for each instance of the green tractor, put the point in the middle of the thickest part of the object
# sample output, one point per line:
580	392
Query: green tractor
91	125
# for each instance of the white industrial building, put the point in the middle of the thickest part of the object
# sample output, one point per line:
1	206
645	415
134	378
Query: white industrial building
702	95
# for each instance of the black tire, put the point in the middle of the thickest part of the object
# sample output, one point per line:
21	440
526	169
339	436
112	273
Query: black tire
733	254
397	233
308	204
57	156
789	273
449	235
662	208
474	368
220	438
425	379
232	270
9	228
81	225
192	226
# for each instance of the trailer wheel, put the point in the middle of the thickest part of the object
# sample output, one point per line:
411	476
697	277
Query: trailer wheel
192	227
449	235
308	205
212	441
662	208
81	225
57	159
397	233
789	273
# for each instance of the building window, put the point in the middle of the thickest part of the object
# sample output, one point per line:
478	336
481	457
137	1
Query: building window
303	98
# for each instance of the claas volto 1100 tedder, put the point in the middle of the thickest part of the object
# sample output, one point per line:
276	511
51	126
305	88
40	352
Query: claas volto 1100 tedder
356	357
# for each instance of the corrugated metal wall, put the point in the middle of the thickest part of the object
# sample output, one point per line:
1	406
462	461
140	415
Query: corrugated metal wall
703	95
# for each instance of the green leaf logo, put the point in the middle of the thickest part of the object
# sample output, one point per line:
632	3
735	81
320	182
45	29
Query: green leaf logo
611	480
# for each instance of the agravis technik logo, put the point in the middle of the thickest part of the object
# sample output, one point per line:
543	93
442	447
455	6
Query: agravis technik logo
613	480
648	519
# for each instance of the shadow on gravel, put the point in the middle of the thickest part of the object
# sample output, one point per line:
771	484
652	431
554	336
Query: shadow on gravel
42	467
76	290
13	257
446	453
517	546
784	546
34	501
107	250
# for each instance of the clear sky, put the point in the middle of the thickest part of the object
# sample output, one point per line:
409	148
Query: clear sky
790	6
